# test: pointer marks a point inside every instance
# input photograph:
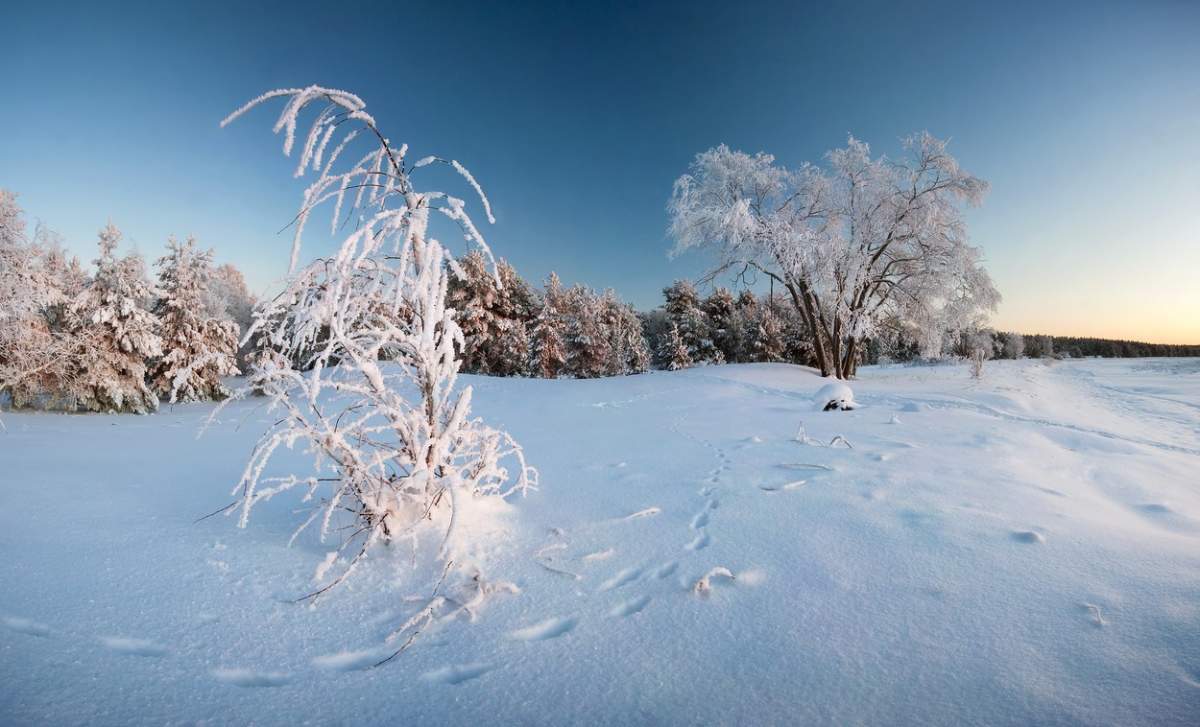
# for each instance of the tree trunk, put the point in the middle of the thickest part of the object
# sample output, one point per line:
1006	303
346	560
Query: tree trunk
850	365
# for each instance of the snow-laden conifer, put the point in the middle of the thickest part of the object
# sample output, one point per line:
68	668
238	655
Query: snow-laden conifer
547	346
118	335
198	348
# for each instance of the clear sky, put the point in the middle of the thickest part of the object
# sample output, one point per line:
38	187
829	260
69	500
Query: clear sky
577	117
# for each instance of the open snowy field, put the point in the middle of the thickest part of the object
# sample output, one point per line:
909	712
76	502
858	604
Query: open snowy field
1024	549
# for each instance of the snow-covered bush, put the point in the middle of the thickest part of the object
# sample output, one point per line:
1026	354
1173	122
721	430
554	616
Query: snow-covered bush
198	348
379	407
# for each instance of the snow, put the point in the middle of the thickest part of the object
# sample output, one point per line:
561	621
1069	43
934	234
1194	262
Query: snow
834	395
1020	549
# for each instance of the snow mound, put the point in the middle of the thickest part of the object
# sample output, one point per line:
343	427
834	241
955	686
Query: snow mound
835	396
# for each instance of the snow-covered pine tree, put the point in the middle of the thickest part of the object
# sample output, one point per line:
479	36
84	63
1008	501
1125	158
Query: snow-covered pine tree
394	444
627	349
673	352
548	349
744	327
122	335
683	309
492	309
25	291
588	347
719	312
473	295
198	349
769	342
516	304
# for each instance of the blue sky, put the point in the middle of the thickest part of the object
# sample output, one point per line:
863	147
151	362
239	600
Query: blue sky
576	118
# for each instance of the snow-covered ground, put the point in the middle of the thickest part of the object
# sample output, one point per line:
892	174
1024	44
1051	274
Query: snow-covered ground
1025	549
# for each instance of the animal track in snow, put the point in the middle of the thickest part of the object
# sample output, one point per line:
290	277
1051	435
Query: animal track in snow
700	520
251	678
794	485
624	577
701	542
630	607
666	569
26	626
135	647
548	629
1028	536
456	674
1094	614
350	660
805	466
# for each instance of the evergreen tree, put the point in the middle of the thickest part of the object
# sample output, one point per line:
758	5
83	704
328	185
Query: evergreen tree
719	312
547	347
769	343
121	334
673	352
683	309
198	349
588	348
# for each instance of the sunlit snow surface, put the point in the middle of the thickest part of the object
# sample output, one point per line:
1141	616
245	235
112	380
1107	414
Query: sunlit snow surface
1024	549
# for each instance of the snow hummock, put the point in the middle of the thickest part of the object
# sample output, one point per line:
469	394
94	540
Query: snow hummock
834	395
1005	563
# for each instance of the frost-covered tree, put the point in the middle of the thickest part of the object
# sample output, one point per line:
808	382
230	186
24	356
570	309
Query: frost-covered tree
198	348
589	349
683	309
1012	345
27	347
865	240
980	348
229	298
673	352
122	335
719	312
494	310
769	341
394	445
548	348
627	349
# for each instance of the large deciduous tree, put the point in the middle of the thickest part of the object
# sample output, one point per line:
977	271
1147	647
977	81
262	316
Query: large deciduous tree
865	240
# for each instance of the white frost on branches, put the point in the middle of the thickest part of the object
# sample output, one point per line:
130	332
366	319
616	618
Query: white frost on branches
867	243
374	393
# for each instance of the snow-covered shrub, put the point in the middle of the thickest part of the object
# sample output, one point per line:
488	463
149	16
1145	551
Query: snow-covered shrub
198	348
391	433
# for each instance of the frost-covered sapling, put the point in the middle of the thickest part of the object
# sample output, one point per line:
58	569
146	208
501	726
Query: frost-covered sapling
375	398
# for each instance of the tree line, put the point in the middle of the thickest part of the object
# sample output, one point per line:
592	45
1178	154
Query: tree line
109	338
